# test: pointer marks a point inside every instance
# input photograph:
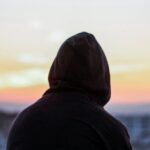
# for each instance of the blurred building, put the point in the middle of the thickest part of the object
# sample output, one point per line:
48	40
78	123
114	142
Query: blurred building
138	127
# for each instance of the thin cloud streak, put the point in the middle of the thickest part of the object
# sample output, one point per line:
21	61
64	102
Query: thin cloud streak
31	58
23	78
37	76
123	68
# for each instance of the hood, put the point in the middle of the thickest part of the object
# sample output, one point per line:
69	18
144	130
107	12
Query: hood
81	64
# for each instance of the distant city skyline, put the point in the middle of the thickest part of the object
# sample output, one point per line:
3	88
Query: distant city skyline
31	33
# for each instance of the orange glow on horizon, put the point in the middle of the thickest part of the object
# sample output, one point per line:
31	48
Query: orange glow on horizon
22	95
119	94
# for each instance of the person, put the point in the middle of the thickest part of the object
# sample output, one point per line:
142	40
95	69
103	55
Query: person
70	115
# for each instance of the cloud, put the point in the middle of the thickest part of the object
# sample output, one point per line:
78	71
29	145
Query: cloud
56	37
23	78
37	76
36	24
31	58
122	68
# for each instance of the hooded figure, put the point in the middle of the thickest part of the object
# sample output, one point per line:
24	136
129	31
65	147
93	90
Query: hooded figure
70	114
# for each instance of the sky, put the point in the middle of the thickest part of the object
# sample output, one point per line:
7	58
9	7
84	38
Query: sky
31	32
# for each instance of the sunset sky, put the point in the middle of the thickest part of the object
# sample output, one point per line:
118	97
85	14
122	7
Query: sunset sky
31	31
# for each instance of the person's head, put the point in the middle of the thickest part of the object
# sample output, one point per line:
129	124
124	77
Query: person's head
81	64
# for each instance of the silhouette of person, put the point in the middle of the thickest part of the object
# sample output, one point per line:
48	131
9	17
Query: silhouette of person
70	115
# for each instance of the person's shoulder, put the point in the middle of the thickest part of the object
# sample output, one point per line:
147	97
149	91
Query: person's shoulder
25	127
28	115
27	120
100	114
117	124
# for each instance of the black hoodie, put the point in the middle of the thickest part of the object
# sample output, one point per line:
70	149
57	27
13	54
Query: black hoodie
81	63
70	114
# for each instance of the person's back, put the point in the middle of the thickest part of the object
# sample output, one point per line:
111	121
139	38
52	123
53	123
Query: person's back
70	115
